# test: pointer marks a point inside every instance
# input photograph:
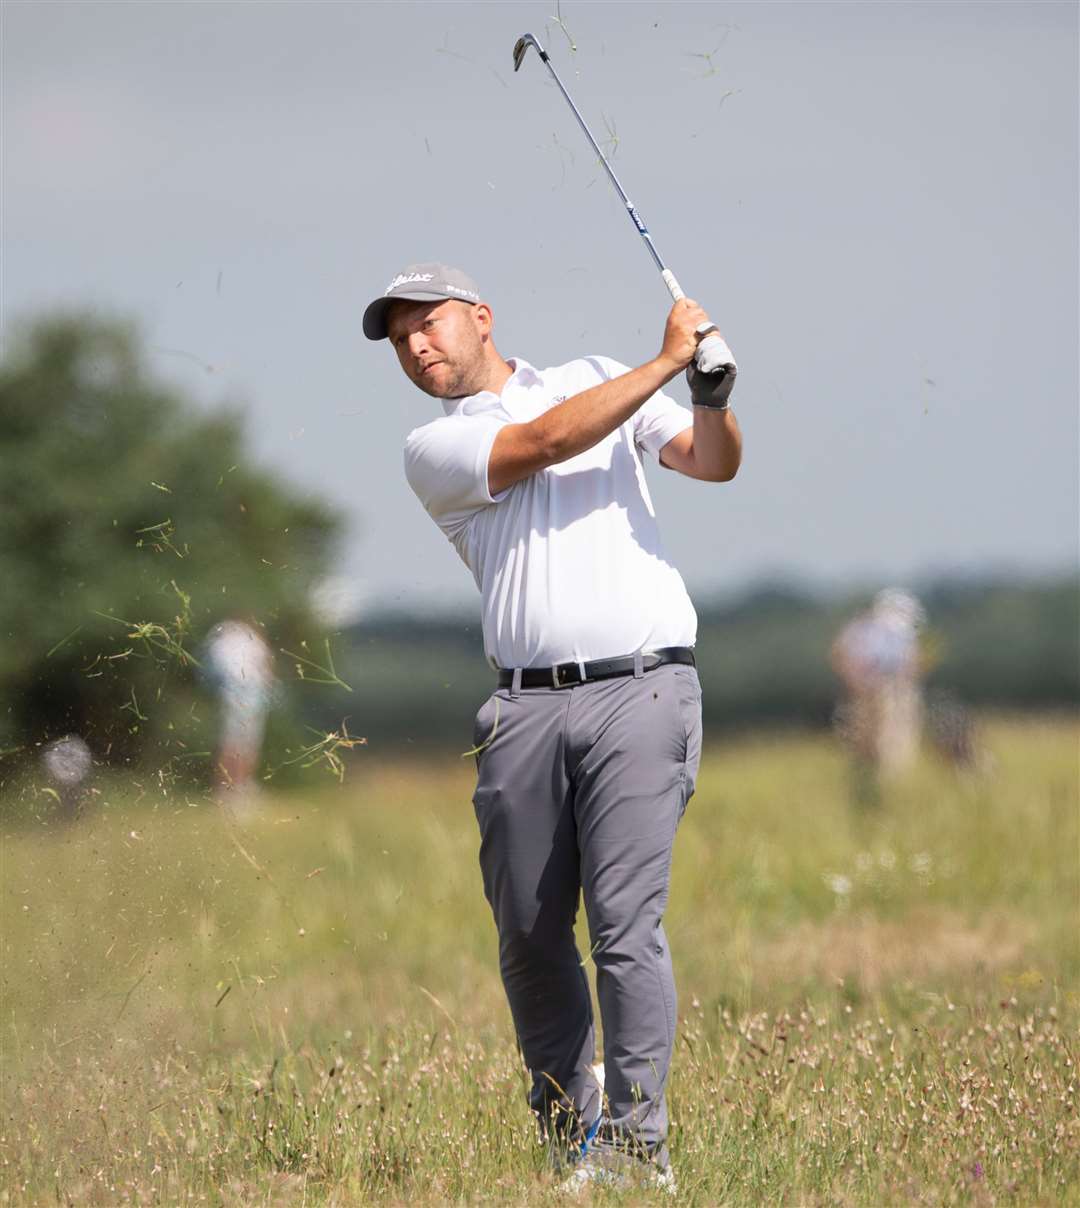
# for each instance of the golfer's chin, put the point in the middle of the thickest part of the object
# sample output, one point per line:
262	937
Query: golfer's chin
439	383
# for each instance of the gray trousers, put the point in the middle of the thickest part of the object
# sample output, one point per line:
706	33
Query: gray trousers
579	793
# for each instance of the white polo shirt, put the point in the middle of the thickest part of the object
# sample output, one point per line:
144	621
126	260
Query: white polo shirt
568	561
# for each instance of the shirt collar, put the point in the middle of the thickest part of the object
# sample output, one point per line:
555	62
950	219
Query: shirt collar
523	376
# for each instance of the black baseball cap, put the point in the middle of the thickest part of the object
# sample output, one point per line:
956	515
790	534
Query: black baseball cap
428	282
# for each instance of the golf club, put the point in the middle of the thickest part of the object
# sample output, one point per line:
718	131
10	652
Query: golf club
713	353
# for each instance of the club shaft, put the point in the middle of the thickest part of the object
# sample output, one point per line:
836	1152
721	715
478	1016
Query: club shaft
713	355
642	229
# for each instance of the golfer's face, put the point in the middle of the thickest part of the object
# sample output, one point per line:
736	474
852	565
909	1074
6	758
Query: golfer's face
438	345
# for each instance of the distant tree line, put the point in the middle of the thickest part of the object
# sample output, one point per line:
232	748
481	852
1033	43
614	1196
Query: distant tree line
763	659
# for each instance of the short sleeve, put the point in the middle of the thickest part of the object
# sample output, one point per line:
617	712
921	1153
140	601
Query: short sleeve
658	420
446	464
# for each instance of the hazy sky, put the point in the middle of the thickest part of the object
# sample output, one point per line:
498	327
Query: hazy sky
877	202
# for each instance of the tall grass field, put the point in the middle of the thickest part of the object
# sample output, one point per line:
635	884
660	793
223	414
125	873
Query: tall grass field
878	1005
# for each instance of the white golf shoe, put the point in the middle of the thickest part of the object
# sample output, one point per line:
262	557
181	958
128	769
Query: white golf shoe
620	1172
631	1175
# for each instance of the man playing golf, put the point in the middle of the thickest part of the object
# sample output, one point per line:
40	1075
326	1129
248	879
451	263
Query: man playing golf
588	750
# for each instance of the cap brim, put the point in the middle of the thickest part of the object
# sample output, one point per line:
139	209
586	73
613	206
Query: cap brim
375	315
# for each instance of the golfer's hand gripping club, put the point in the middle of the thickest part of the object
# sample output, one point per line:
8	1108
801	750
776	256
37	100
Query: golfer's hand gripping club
713	355
682	344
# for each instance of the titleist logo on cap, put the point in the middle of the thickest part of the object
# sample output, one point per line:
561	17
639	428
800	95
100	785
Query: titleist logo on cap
405	279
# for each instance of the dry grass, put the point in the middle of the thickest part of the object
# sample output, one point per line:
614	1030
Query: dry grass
871	953
875	1008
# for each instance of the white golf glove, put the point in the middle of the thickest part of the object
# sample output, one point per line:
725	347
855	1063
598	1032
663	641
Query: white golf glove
712	387
713	353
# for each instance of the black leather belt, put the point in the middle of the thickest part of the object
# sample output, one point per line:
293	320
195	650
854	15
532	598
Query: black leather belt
563	675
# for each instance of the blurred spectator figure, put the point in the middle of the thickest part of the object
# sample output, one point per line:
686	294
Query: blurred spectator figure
67	762
876	657
239	667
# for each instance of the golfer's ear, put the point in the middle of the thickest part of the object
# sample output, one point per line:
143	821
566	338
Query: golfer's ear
483	318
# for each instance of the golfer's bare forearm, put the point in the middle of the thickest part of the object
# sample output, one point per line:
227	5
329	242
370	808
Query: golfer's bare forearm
571	427
717	444
709	450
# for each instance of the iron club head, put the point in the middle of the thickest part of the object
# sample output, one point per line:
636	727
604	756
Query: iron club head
521	47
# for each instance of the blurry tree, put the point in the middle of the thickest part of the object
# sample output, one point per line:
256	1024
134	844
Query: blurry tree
130	522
